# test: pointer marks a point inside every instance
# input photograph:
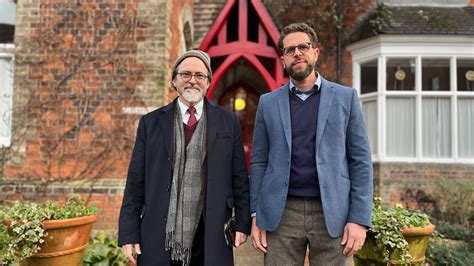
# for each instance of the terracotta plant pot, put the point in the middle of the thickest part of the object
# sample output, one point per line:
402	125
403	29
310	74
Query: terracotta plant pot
417	238
65	243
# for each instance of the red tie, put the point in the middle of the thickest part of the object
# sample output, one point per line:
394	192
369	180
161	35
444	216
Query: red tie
192	117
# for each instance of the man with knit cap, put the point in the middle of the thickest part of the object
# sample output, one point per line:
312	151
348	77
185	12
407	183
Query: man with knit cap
186	176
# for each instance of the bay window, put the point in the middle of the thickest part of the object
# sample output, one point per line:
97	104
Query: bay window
417	96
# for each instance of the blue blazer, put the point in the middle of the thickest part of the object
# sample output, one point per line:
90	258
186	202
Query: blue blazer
343	159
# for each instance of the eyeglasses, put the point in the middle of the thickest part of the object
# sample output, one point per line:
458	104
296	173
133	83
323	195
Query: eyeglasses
302	47
199	77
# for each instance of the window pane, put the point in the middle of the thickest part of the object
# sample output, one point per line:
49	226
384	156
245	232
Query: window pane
368	77
466	127
6	101
436	120
435	74
370	114
465	74
401	74
401	127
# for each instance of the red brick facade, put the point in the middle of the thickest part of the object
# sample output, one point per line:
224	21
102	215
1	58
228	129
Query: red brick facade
86	71
84	74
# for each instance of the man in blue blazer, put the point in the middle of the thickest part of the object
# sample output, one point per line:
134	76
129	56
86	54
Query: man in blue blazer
310	170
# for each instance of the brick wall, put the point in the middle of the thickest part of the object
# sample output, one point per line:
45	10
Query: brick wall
2	155
404	182
84	74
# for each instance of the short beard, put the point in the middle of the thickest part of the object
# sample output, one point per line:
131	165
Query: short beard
191	97
299	76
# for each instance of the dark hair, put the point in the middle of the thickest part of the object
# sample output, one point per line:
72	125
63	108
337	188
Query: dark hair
298	27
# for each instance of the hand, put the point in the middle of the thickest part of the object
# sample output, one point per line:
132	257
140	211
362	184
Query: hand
240	238
353	238
259	237
128	251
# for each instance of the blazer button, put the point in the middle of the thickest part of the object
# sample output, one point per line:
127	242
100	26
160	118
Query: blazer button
168	189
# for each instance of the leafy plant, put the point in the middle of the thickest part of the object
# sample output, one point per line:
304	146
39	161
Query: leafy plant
3	237
25	224
103	250
388	223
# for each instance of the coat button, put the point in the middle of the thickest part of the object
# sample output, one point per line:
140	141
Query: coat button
168	188
165	219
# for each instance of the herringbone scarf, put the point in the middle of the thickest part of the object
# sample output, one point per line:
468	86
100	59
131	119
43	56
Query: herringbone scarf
185	200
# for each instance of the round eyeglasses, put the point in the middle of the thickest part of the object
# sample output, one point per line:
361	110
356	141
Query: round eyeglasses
302	47
199	77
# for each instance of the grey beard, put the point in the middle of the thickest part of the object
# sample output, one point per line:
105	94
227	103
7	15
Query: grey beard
192	98
299	76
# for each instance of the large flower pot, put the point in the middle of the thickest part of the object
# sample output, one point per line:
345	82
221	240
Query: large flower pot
65	242
417	238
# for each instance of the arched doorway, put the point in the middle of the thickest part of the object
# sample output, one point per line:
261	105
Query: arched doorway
241	84
242	44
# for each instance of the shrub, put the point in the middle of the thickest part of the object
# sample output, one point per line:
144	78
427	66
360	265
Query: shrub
103	250
453	200
444	252
3	238
454	231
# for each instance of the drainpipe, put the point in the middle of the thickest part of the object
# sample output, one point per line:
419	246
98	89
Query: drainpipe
339	45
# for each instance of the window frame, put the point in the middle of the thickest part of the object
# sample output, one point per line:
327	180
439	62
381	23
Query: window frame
7	51
385	47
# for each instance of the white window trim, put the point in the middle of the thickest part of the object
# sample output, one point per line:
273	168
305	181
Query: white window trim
419	47
7	50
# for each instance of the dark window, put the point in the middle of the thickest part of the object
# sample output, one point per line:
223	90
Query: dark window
465	73
368	77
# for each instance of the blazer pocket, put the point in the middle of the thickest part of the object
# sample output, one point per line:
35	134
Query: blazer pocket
230	203
221	135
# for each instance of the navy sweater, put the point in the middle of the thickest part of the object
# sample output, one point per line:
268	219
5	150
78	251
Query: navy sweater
303	173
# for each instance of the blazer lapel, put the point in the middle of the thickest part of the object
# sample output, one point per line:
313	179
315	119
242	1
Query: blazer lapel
167	124
327	94
284	106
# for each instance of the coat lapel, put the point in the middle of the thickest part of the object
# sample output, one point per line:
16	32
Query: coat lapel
327	94
212	120
284	106
167	124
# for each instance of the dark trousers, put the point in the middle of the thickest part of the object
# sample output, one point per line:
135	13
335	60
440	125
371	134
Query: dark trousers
197	252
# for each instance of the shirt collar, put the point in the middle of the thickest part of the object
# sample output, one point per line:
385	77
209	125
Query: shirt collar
316	87
183	107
